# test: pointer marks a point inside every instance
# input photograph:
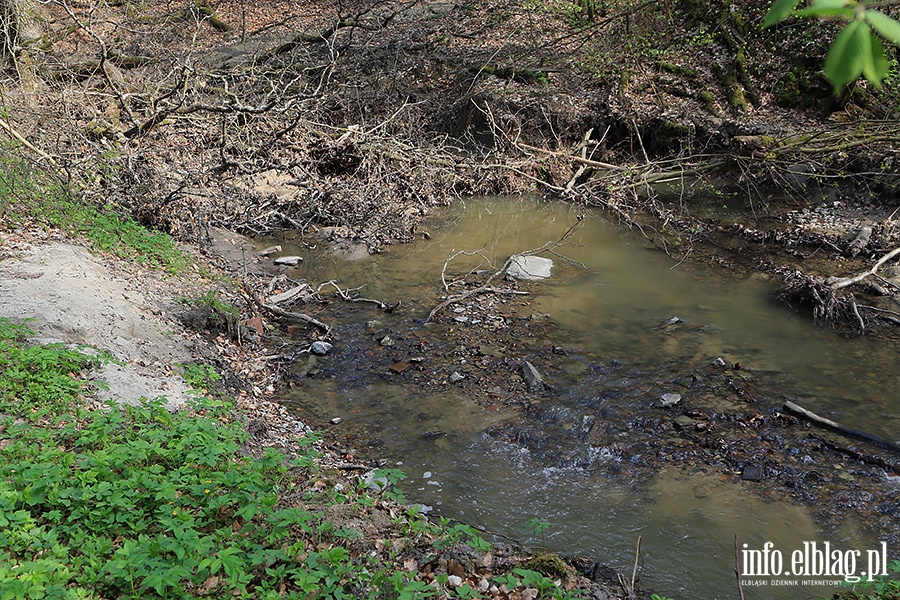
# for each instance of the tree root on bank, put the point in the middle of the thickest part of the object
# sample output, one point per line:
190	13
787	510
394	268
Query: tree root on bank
830	304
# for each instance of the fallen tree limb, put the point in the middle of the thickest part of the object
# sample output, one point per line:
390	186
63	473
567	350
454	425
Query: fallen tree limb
838	283
829	424
484	289
285	313
15	134
345	294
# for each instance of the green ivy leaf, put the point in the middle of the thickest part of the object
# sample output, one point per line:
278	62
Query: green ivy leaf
849	54
883	24
779	11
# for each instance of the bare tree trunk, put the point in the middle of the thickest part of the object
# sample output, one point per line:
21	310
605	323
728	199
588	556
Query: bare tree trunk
21	31
21	25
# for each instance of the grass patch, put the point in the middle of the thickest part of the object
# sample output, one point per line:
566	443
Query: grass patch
30	195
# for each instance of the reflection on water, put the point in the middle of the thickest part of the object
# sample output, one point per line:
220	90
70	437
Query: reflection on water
607	297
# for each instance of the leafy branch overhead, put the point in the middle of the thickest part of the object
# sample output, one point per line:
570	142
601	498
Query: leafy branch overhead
856	50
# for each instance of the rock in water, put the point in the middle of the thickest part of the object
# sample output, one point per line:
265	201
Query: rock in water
320	348
290	261
533	378
752	473
670	400
529	268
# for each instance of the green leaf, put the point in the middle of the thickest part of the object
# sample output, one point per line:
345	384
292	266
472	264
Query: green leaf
779	11
849	54
829	4
840	11
877	67
888	28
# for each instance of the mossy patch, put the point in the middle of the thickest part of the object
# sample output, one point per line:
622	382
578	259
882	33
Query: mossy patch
800	88
681	71
547	564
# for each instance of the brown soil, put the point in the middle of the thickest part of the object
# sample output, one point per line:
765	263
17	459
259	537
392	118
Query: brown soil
362	117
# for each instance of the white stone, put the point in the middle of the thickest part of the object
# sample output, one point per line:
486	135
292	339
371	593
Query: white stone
670	399
290	261
529	268
321	348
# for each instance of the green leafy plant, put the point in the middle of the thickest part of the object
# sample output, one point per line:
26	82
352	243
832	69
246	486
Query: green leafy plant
461	533
137	502
388	479
546	587
199	376
538	527
35	377
856	50
880	588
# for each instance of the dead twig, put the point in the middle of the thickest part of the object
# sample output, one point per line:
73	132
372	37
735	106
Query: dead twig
345	294
285	313
479	290
15	134
455	255
486	288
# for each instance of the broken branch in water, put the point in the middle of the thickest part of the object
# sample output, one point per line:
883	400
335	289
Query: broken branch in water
486	288
837	283
870	459
830	306
828	423
345	294
461	253
285	313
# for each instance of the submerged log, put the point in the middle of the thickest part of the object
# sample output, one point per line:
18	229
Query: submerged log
834	426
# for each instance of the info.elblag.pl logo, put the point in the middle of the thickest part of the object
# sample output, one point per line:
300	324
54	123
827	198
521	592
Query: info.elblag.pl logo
814	564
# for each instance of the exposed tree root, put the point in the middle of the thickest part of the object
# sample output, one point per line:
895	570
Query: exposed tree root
829	302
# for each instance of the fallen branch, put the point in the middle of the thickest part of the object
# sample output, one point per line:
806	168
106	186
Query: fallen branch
829	424
484	289
838	283
737	568
6	126
285	313
345	294
454	255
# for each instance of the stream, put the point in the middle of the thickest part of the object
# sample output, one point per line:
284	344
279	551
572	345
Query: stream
573	463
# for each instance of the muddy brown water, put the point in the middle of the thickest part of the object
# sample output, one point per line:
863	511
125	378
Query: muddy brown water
606	300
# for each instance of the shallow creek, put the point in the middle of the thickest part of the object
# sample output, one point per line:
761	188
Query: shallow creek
605	303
